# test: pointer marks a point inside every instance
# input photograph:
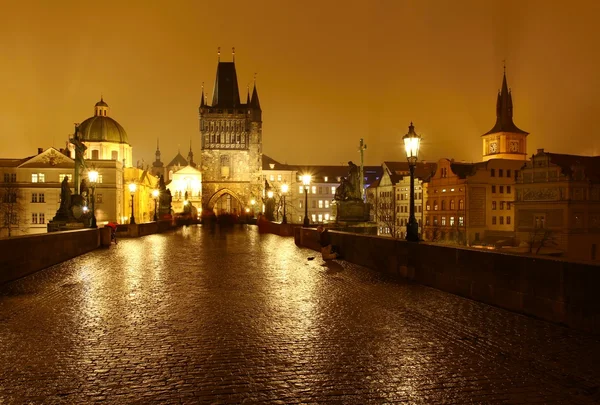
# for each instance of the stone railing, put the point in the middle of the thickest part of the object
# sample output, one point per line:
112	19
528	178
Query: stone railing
548	288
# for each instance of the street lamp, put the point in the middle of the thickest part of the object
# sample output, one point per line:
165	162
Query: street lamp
132	188
155	194
284	190
306	182
411	146
93	178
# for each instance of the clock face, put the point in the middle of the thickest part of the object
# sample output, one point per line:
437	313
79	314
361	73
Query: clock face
493	147
514	146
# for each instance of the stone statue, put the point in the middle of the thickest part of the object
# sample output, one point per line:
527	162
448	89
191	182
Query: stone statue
80	149
65	195
349	188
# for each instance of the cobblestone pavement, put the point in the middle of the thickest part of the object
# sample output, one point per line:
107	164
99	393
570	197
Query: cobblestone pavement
201	316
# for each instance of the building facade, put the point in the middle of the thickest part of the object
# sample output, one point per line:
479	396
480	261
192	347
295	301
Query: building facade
558	205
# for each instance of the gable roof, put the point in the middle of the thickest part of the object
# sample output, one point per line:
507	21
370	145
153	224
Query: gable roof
178	160
51	157
590	164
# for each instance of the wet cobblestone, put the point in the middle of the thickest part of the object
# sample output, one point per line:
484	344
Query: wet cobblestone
220	317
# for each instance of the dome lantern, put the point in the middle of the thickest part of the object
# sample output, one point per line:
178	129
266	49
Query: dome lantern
101	108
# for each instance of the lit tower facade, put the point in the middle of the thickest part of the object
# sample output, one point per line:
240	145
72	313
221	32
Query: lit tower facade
505	140
231	145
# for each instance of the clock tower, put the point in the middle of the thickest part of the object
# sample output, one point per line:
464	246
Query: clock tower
505	140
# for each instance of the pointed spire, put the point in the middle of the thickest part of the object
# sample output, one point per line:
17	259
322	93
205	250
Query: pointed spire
219	54
254	102
504	110
202	96
233	53
248	95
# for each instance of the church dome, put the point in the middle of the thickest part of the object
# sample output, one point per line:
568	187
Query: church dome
101	128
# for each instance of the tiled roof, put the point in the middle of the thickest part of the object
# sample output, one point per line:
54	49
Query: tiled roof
590	164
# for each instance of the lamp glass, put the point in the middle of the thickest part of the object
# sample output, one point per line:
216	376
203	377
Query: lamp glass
284	188
155	193
93	176
252	202
306	179
270	194
411	146
132	187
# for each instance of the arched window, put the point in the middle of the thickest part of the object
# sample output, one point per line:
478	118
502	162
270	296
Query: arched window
435	205
461	205
443	205
451	204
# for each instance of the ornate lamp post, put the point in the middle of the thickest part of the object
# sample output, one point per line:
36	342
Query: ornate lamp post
284	190
253	203
412	142
155	194
132	188
306	181
93	178
269	206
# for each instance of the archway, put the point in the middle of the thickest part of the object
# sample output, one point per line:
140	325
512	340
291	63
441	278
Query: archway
225	201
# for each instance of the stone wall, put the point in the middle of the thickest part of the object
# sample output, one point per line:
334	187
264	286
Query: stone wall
23	255
548	288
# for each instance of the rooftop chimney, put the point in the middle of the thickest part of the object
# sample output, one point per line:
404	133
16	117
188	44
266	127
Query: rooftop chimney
540	150
40	150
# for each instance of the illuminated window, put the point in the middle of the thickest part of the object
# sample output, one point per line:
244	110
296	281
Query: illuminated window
299	218
41	178
443	221
435	221
320	203
301	189
451	221
332	190
326	203
320	217
99	179
461	221
272	177
314	189
279	177
61	177
325	178
435	206
314	217
300	204
326	217
34	178
428	207
461	205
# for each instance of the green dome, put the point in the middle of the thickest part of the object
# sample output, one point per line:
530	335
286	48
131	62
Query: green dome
102	129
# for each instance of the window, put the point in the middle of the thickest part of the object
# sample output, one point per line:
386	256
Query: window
501	189
34	217
443	221
493	189
325	179
34	178
508	173
461	221
320	203
435	221
516	174
42	198
279	177
451	221
493	205
493	220
99	179
507	220
508	189
452	204
461	205
99	198
326	203
435	206
320	190
326	217
42	218
402	196
501	205
427	207
299	218
493	172
501	220
95	154
500	172
320	217
34	197
314	203
6	177
508	205
314	217
62	176
427	221
314	189
301	189
300	204
272	177
332	190
114	155
443	205
41	178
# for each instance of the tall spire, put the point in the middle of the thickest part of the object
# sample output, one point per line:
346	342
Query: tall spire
254	102
248	94
219	54
191	156
157	154
504	111
233	53
202	96
226	93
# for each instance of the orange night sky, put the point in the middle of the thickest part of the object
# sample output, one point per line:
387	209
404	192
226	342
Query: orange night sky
328	73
